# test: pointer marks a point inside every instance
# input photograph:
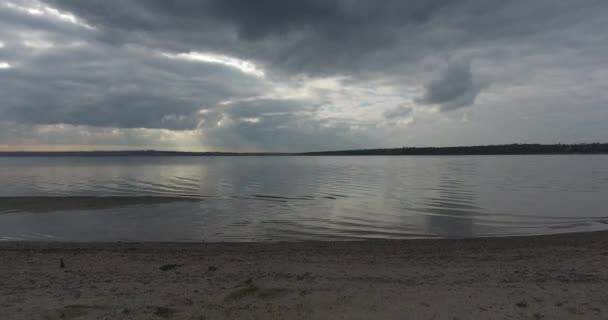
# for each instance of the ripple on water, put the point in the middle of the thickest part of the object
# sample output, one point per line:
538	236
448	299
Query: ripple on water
297	198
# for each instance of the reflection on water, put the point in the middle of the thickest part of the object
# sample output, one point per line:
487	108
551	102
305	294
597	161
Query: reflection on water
299	198
452	208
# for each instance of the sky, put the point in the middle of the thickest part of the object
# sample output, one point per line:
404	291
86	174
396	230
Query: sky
309	75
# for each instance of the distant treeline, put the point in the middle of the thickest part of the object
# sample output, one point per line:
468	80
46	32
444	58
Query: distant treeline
134	153
587	148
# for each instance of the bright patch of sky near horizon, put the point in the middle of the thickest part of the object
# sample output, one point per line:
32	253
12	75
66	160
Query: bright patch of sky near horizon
312	75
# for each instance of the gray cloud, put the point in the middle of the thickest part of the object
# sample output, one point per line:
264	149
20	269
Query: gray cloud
334	70
334	36
308	37
103	86
454	88
398	112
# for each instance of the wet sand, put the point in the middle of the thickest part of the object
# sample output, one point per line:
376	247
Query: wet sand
545	277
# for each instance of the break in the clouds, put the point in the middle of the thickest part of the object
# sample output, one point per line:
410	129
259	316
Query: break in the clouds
300	75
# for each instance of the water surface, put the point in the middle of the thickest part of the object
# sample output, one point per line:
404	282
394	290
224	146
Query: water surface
300	198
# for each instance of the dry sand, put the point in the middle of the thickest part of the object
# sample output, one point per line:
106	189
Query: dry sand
548	277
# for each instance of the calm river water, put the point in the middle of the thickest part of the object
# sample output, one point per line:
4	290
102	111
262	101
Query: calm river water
300	198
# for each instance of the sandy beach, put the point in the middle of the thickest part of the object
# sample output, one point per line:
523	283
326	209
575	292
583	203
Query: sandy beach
545	277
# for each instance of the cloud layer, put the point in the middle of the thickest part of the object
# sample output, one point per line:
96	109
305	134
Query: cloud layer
300	75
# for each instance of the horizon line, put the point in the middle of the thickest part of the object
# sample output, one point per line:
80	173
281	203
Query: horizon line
7	152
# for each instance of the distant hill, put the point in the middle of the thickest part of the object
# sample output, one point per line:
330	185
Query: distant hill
586	148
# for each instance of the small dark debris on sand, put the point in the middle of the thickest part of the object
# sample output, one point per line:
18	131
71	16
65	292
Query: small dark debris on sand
61	264
212	268
168	267
163	312
455	279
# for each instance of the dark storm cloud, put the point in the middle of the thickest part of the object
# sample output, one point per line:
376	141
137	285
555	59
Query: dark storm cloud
454	88
313	36
255	20
326	36
335	19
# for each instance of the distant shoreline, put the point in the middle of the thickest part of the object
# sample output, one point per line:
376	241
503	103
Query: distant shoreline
505	149
550	277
